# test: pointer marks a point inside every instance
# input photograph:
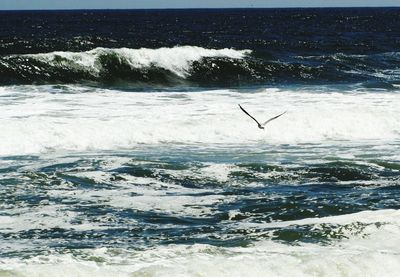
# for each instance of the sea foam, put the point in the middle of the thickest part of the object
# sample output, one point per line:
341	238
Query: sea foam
38	119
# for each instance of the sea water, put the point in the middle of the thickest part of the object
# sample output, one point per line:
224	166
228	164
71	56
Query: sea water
123	151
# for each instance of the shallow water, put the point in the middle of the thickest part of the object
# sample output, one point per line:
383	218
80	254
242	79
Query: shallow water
92	182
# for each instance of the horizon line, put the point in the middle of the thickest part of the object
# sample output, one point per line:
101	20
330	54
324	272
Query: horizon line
201	8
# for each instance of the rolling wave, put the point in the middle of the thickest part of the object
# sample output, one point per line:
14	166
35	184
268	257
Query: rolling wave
196	66
164	66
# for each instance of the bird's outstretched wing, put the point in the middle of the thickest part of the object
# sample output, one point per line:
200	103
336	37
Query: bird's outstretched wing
272	118
248	114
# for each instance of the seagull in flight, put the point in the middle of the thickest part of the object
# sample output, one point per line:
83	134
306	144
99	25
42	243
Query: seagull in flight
261	126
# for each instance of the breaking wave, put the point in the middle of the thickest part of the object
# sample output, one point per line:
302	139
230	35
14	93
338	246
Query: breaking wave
196	66
161	66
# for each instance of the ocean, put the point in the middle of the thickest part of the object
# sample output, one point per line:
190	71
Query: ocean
123	151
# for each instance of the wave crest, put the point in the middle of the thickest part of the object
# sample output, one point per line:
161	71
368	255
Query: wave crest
163	65
197	66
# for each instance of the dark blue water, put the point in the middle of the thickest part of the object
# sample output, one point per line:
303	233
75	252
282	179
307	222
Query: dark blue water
289	46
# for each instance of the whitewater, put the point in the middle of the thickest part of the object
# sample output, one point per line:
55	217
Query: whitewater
40	119
360	253
62	125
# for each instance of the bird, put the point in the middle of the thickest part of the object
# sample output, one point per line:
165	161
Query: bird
261	126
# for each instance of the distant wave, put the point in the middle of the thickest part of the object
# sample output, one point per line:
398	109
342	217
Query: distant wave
196	66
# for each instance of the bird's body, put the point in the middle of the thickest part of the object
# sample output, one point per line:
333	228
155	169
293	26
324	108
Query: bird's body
261	126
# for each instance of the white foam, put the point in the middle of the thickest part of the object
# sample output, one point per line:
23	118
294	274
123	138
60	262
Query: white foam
364	217
44	217
373	253
38	122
